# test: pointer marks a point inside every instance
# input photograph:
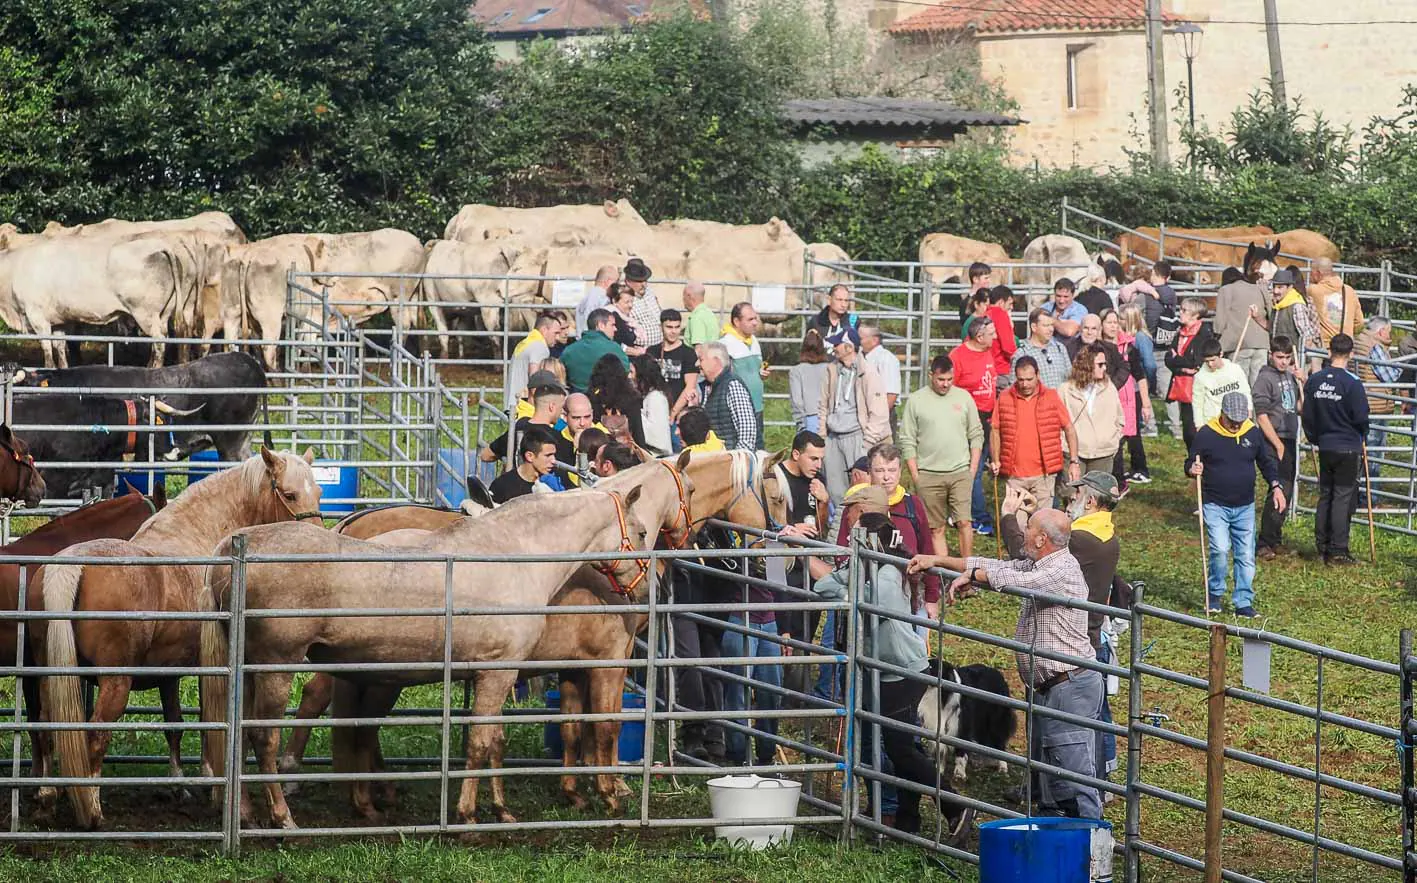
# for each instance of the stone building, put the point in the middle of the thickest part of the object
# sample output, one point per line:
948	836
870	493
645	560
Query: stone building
1077	68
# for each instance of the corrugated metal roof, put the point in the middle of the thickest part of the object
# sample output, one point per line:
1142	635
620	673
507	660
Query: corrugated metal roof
527	17
888	112
1000	16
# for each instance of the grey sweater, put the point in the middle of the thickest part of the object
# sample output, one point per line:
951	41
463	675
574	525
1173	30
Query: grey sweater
1232	306
804	384
892	641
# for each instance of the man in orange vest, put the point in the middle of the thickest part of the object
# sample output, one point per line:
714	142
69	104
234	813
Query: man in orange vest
1030	421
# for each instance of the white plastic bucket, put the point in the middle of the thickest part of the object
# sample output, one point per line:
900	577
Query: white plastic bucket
753	797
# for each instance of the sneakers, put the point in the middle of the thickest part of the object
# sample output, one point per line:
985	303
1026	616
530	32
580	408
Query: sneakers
1246	612
1340	560
1139	478
1214	608
984	530
1265	553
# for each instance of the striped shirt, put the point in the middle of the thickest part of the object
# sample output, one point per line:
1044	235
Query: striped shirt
1050	627
1054	365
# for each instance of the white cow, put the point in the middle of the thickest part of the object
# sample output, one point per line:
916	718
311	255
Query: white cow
253	286
488	258
585	223
361	297
1068	257
52	282
218	225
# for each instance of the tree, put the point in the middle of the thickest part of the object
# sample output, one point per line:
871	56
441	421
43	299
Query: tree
316	114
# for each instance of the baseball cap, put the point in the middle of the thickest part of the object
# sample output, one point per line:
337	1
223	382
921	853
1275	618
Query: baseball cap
1235	407
861	465
869	497
539	379
845	334
1102	482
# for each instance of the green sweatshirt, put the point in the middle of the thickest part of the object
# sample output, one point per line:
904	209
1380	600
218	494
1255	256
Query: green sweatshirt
939	431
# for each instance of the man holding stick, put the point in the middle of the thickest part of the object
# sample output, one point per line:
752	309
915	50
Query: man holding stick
1277	398
1335	420
1224	455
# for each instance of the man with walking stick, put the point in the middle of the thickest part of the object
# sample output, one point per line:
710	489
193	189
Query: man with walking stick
1223	456
1335	420
1276	395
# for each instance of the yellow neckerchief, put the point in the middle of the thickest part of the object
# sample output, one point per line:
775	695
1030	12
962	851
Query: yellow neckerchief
1225	433
708	445
729	329
1099	524
527	341
894	499
523	409
1290	299
566	432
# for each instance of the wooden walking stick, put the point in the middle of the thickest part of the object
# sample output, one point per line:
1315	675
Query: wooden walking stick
1205	555
999	522
1243	332
1372	536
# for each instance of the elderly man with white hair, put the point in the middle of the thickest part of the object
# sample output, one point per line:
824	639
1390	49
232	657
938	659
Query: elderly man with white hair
700	323
728	404
1335	305
596	298
1372	359
851	411
1048	570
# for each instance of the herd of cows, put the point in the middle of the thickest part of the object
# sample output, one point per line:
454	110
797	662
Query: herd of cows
199	278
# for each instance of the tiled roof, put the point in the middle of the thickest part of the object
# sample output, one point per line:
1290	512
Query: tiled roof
515	18
999	16
887	112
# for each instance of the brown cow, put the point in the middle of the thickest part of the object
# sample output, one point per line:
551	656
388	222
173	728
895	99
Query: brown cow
1135	245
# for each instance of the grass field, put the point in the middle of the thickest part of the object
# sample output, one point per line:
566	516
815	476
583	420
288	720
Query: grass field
1358	610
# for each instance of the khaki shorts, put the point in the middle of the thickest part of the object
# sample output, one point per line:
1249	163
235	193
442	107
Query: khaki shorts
946	495
1041	486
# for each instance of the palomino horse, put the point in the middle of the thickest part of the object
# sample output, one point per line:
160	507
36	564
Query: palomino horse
369	523
118	518
570	522
739	486
20	481
268	488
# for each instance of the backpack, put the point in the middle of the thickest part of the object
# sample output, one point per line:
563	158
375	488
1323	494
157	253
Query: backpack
1167	327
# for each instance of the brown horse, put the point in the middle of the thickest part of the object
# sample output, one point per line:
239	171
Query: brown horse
741	487
369	523
573	522
20	481
118	518
268	488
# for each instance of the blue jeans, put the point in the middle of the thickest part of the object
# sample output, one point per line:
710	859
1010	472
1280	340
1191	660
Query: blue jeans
978	505
1231	529
1377	437
735	693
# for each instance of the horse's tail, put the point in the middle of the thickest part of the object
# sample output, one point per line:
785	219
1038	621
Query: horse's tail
216	588
63	694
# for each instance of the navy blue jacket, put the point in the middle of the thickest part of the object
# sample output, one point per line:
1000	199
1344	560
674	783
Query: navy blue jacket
1335	411
1230	459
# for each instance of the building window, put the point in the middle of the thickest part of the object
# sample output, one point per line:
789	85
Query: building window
538	15
1079	61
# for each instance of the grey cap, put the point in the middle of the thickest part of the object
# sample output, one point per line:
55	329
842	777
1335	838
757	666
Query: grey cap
1102	482
1235	407
539	379
1286	276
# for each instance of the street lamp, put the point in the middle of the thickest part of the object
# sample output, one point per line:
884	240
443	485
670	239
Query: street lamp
1189	34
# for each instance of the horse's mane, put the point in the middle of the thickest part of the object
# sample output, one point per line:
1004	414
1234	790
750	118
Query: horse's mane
194	512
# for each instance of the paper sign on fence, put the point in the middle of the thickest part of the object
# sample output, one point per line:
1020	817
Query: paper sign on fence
770	298
568	292
1255	661
777	567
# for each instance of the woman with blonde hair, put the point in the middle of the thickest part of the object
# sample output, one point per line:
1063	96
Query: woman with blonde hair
1095	408
1135	397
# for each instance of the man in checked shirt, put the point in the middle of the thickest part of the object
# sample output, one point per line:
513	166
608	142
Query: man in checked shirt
1049	568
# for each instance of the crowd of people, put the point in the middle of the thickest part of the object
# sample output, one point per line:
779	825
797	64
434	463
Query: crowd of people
1057	406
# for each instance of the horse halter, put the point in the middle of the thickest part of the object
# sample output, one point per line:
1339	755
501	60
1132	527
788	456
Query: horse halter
667	532
756	486
25	461
297	516
607	568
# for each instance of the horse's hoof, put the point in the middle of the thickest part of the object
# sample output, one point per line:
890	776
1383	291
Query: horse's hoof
185	795
506	817
374	817
286	823
388	795
622	790
576	801
46	796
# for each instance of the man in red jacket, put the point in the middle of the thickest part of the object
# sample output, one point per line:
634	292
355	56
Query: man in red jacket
974	373
1030	422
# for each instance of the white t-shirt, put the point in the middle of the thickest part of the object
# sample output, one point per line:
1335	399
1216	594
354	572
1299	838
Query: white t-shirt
887	365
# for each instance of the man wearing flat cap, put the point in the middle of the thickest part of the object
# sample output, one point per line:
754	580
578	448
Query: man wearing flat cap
645	311
1223	456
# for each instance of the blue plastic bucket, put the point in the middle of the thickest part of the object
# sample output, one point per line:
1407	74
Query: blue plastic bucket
631	748
336	482
1038	850
451	483
138	479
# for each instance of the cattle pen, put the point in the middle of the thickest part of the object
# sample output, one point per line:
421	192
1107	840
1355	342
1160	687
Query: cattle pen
376	403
